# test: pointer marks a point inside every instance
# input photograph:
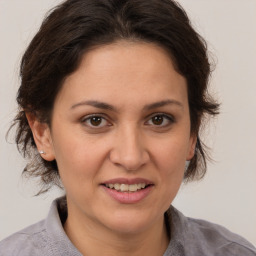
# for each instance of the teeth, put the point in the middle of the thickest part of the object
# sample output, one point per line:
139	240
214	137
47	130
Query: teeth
133	187
111	185
117	186
126	187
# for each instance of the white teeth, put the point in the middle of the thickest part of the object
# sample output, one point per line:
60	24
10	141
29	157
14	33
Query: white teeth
133	187
126	187
111	185
117	186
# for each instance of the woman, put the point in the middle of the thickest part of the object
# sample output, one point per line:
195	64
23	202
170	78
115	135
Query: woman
112	98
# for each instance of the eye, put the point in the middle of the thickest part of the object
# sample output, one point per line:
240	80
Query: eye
95	121
161	120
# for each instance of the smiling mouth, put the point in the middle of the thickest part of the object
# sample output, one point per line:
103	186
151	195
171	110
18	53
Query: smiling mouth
127	187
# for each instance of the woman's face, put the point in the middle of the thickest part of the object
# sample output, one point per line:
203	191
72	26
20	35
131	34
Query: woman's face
121	122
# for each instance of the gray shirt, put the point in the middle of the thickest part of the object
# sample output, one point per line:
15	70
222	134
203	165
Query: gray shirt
189	237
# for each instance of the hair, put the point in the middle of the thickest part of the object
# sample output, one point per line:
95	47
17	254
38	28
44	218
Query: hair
73	28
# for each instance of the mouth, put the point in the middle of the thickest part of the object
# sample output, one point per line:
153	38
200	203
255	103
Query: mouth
122	187
128	191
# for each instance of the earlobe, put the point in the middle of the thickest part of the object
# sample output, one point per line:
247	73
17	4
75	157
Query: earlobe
192	148
42	137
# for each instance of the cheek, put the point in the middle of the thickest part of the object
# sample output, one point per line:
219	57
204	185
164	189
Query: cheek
74	157
80	160
78	171
170	159
171	152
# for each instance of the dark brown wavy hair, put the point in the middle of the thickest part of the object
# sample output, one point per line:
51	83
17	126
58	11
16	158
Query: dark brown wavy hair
76	26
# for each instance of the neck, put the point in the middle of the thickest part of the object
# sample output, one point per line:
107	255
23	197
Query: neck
91	239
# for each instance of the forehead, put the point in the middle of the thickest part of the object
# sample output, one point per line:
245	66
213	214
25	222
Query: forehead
125	72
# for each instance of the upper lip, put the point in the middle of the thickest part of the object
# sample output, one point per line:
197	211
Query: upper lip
128	181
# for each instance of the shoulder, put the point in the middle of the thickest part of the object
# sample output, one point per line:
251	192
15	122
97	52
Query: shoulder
29	241
219	238
200	237
44	238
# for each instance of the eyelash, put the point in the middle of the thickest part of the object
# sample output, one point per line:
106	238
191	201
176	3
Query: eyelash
90	117
170	119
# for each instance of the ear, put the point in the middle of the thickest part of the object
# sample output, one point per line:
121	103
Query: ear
192	147
42	136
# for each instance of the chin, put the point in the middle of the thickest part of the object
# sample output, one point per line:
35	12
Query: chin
131	222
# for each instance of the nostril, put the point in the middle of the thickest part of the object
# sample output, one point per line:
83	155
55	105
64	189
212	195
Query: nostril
129	151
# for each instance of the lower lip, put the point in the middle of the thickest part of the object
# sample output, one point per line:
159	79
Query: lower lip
128	197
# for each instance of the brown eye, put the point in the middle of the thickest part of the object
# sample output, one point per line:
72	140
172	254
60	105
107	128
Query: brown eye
95	121
157	120
161	120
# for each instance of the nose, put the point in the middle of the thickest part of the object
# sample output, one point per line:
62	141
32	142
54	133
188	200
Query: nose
129	150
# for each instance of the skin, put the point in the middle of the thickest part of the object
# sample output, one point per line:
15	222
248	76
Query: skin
126	142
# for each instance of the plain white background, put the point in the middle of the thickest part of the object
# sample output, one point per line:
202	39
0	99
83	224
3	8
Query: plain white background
227	195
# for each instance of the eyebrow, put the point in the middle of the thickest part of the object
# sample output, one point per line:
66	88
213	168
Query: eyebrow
96	104
106	106
162	104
